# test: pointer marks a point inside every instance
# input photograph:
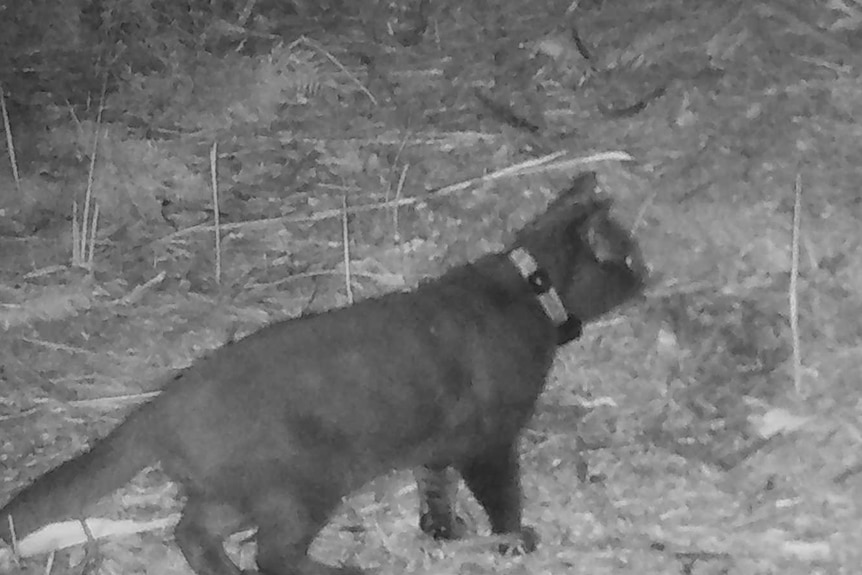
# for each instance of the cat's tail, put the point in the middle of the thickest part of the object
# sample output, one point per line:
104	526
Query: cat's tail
65	491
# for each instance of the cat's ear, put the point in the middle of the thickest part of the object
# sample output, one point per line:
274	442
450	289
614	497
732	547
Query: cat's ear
603	235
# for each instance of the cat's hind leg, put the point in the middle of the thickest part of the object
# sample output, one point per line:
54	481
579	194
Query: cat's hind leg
200	534
288	520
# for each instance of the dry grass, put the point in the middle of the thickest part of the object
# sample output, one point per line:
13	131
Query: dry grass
672	438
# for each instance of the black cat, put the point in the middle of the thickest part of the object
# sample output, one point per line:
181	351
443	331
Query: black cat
274	429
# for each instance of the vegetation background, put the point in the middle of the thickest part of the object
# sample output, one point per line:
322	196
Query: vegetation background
704	432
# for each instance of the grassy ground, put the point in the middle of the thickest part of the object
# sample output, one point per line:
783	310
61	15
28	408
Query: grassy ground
678	437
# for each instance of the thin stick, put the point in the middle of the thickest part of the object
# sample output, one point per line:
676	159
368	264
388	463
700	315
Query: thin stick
216	222
92	246
137	293
88	195
398	191
76	233
10	143
87	533
401	148
312	44
88	198
12	531
345	236
794	286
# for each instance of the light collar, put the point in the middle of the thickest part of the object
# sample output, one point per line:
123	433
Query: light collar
568	326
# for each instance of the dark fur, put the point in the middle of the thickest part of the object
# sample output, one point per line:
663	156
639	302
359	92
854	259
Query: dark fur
274	429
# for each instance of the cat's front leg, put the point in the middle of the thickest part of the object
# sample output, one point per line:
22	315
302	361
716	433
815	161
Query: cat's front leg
437	487
494	479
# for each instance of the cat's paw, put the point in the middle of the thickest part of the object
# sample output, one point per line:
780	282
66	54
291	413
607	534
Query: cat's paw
443	530
524	542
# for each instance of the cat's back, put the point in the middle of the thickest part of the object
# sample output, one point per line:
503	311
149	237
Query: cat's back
383	369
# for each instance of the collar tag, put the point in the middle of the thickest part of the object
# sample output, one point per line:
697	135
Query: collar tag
541	284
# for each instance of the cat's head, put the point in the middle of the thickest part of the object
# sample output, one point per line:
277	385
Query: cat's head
591	260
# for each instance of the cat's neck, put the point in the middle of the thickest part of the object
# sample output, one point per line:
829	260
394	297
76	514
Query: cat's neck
517	274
